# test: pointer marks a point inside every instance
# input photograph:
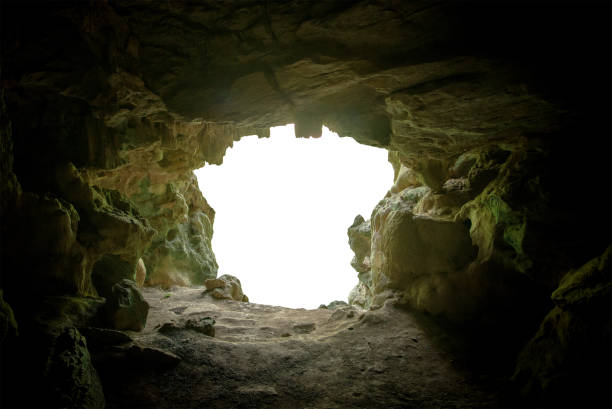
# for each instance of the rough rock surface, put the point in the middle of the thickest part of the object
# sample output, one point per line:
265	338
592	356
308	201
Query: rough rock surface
360	242
495	115
125	307
567	362
225	287
71	374
274	357
8	324
50	352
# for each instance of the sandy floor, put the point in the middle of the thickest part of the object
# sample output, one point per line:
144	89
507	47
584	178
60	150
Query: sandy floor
272	357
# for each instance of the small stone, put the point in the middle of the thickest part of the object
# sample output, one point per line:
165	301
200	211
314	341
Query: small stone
202	325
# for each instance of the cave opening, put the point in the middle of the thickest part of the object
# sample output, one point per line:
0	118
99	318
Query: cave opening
281	223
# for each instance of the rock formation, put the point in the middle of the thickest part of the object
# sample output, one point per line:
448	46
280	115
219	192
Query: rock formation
226	287
495	116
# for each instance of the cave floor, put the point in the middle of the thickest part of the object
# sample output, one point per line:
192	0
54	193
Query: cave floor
272	357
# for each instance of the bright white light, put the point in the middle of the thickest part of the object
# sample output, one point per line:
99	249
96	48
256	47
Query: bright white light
283	208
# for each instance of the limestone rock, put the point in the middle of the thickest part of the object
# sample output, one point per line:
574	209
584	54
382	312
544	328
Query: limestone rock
359	241
406	246
181	252
8	324
590	285
73	380
334	305
59	260
125	307
213	283
406	177
360	296
225	287
567	362
141	273
107	108
67	310
108	271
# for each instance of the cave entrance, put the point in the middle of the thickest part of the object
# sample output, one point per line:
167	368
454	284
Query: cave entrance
283	206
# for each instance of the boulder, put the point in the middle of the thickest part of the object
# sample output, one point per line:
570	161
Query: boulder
226	287
125	307
406	246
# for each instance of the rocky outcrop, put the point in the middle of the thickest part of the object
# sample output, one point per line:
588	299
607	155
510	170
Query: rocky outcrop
567	362
360	242
181	252
71	375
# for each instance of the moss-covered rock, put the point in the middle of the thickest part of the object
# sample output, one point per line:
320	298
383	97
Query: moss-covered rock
72	380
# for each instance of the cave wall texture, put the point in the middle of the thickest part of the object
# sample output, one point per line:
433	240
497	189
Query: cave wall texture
496	116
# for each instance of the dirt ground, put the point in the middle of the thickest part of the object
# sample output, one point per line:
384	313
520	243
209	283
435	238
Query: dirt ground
263	356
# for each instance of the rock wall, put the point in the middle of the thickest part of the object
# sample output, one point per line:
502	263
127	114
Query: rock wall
495	118
573	340
481	251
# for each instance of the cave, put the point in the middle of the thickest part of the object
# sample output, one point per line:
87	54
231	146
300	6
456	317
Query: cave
484	276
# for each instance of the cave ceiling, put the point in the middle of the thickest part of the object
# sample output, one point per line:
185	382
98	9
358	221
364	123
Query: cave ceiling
424	78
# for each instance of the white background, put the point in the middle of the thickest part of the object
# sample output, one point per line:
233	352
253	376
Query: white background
283	206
